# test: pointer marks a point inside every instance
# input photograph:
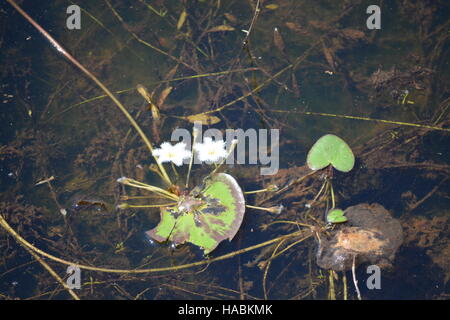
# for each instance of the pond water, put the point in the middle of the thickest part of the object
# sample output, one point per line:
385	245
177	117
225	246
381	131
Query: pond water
299	68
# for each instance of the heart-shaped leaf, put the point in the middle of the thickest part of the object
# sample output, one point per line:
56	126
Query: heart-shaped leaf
331	149
336	216
205	217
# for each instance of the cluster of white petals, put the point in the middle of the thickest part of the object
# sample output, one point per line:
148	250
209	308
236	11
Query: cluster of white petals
210	150
172	153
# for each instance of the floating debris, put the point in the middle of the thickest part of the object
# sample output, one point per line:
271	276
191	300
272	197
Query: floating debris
45	181
272	6
83	203
223	27
203	118
278	40
230	17
149	98
162	97
181	19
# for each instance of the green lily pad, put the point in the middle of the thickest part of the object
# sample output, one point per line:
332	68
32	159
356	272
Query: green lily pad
207	216
331	149
336	216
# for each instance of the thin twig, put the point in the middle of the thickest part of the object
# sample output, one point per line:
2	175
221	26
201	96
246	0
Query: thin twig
53	273
26	244
355	282
75	62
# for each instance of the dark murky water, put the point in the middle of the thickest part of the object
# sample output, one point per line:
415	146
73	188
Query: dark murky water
56	122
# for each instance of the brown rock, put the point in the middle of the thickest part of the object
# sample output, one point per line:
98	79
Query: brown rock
370	235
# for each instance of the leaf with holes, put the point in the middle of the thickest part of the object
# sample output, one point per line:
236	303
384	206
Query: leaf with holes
205	217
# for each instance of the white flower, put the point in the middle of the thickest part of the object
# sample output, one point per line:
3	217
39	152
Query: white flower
176	153
211	150
122	179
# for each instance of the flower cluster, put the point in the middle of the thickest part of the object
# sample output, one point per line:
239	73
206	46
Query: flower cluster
209	150
170	153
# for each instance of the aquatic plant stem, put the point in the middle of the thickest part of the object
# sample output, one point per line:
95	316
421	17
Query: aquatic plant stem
125	197
331	293
69	57
161	13
135	36
344	282
53	273
256	191
291	245
137	184
275	210
332	196
319	193
289	222
26	244
196	76
194	138
270	188
250	28
323	114
264	83
355	282
294	182
175	171
266	270
126	205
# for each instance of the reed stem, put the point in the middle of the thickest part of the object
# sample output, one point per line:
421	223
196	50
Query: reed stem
69	57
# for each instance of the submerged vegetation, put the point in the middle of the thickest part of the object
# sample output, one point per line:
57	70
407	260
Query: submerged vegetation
82	178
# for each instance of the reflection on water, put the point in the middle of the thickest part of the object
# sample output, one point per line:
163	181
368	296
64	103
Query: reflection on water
301	60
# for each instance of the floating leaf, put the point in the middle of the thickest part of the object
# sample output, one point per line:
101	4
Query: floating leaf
205	217
336	216
331	149
223	27
203	118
